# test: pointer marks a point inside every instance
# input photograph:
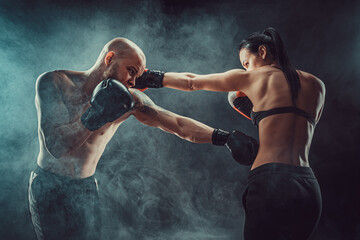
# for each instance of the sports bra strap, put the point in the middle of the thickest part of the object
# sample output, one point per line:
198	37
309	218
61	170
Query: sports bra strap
256	117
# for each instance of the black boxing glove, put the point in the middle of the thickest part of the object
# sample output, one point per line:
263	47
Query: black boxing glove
150	79
242	147
109	101
241	103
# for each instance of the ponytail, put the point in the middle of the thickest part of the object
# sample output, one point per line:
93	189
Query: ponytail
271	39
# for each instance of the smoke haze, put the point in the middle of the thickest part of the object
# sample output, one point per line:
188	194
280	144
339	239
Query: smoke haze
152	184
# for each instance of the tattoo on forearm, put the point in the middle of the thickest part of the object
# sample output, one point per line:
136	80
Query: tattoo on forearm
146	106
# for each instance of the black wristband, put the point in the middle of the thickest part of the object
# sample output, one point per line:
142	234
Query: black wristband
150	79
220	137
158	77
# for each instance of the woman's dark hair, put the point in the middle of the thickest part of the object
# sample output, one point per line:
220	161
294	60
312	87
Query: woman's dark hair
270	38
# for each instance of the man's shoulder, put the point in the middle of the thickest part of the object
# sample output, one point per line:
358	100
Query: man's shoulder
52	79
48	84
47	79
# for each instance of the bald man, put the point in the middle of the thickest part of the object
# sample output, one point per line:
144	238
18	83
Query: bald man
73	134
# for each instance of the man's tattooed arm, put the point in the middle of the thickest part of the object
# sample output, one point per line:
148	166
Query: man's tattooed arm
147	112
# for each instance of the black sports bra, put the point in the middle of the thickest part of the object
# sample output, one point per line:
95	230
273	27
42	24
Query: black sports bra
256	117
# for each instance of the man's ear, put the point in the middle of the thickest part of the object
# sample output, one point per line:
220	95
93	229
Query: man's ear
262	52
109	57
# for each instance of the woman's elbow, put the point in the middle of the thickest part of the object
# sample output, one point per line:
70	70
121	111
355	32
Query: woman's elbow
192	84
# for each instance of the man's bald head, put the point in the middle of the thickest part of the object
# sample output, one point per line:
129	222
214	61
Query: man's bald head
123	48
121	59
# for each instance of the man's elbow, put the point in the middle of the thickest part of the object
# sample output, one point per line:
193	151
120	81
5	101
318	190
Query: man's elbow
187	136
183	131
191	138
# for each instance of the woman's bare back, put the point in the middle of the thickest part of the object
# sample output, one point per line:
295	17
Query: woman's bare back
285	138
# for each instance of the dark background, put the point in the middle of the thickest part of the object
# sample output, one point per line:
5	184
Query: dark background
152	184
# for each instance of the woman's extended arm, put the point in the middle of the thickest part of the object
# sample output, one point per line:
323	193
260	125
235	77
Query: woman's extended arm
220	82
233	80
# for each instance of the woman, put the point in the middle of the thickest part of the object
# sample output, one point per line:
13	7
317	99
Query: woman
282	199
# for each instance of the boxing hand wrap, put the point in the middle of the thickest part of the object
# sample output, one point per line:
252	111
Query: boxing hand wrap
150	79
243	148
109	101
220	137
242	104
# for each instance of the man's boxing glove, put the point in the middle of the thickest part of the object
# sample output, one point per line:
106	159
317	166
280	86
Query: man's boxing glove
109	101
150	79
242	147
241	103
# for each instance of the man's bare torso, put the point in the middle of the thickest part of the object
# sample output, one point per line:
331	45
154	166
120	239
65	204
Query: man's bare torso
80	162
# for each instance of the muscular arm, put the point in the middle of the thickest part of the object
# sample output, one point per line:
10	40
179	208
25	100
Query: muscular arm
232	80
60	136
186	128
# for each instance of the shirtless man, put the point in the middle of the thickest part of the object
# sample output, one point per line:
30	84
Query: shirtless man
78	113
